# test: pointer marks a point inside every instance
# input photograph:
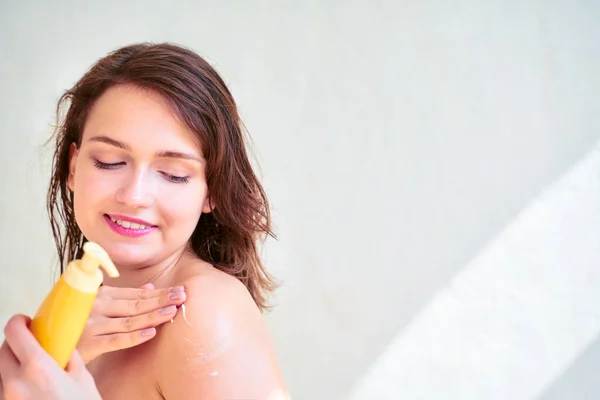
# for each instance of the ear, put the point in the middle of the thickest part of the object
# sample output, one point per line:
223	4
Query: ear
208	205
73	153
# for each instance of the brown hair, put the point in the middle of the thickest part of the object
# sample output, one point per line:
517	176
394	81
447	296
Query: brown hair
226	237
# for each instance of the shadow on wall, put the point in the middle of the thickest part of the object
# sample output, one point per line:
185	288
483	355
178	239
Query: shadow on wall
581	380
508	323
461	107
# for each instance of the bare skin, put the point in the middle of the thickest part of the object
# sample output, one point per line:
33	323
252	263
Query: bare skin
219	349
126	317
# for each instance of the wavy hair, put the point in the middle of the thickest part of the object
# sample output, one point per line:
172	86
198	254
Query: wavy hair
228	236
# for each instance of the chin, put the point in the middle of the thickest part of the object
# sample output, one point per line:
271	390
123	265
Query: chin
129	254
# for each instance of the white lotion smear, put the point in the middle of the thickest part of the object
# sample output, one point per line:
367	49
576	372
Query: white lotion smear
184	317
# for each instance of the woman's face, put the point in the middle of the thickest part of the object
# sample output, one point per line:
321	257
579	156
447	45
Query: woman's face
138	178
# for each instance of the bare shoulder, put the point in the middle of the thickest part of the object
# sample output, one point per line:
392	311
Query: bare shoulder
203	289
218	345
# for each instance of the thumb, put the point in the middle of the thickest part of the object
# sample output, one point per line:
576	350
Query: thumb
75	366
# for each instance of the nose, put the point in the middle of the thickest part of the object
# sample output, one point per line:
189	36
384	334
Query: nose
135	190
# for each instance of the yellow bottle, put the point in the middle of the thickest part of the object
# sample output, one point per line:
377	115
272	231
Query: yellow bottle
62	316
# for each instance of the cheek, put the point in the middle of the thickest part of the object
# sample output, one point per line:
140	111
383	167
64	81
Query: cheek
90	185
90	194
183	209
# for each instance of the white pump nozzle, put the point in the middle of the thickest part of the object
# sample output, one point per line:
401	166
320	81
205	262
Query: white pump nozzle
84	274
95	256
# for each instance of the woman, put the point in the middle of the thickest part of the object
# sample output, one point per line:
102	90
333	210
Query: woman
151	164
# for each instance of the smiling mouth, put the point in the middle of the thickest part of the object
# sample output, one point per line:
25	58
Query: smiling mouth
129	224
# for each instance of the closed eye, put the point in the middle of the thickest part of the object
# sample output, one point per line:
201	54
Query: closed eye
172	178
176	179
101	165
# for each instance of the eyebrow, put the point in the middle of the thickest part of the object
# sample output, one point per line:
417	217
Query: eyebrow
161	154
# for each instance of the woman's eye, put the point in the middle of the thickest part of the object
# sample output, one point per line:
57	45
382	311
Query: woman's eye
176	179
172	178
101	165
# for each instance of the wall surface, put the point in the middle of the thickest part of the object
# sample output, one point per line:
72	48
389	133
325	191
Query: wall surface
433	168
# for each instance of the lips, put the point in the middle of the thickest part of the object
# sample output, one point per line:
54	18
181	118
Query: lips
131	227
129	222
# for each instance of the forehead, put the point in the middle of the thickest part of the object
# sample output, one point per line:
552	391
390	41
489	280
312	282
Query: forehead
140	118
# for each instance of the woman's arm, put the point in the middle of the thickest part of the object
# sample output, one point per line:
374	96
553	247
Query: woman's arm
219	348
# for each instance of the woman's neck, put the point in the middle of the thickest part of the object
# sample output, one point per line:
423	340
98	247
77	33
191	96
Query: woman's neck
158	274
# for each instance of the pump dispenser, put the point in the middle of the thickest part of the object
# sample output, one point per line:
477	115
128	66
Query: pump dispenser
62	316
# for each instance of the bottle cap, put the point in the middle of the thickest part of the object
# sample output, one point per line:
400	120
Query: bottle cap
84	274
94	257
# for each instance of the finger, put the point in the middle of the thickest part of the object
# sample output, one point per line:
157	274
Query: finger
135	293
120	341
140	322
134	307
22	343
147	286
75	366
8	362
10	374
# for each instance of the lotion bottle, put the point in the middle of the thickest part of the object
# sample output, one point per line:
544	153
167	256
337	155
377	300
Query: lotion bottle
63	315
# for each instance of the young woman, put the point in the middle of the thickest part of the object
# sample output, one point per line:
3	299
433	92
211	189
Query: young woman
151	164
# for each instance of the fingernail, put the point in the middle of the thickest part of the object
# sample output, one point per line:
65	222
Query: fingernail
168	310
148	332
177	289
175	296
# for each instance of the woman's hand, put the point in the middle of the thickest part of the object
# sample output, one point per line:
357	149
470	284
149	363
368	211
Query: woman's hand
27	372
126	317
